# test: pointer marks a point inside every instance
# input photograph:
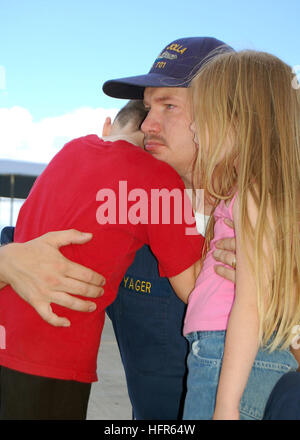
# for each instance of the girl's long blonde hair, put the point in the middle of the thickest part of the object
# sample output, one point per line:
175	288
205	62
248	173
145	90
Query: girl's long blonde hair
248	100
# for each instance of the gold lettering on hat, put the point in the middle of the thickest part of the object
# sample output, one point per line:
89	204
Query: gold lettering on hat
160	64
177	48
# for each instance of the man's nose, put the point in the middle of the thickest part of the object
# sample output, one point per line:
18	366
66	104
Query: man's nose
151	124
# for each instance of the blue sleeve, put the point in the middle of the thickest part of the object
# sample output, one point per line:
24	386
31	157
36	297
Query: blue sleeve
7	235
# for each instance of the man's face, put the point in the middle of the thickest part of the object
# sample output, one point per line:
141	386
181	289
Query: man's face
168	136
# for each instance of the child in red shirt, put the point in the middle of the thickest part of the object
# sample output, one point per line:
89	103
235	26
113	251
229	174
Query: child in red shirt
61	362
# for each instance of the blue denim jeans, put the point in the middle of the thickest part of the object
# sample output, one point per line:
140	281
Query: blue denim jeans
204	366
144	323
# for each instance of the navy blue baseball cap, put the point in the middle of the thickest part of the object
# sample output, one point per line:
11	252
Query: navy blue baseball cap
174	67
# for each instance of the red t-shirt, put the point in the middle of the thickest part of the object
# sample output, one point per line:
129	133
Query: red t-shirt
83	186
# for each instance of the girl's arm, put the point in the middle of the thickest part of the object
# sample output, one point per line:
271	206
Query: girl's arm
241	344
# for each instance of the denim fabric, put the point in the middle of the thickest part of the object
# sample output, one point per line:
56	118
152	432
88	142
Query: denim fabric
145	321
7	235
284	401
204	366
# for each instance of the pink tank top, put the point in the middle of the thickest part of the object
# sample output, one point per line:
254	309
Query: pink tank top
211	301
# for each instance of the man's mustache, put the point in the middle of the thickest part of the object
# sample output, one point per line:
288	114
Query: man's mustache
154	138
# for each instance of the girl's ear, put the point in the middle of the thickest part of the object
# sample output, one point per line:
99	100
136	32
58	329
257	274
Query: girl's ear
106	127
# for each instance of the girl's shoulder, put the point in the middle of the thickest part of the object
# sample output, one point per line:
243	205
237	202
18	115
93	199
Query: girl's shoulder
225	207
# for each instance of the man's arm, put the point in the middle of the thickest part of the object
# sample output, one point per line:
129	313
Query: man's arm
41	275
225	254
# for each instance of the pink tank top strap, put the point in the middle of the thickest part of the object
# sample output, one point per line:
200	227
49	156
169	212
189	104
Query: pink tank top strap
230	207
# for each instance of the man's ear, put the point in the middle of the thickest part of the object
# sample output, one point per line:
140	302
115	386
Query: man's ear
106	127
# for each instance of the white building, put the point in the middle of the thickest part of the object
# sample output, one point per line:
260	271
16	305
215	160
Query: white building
16	180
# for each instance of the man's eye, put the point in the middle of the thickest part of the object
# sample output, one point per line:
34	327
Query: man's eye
169	106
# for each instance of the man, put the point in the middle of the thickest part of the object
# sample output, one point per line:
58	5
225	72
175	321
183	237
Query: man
155	371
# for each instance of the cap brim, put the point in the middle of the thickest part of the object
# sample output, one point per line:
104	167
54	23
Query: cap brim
133	87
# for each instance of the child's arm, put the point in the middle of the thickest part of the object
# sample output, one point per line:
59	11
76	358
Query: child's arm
241	343
184	282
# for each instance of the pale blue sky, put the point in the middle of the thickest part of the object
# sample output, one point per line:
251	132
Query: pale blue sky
57	53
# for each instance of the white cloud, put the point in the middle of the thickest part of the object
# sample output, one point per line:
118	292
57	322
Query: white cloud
23	139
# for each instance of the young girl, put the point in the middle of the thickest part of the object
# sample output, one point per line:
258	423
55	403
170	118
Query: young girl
247	126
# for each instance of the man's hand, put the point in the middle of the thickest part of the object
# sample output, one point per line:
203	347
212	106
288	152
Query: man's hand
41	275
225	254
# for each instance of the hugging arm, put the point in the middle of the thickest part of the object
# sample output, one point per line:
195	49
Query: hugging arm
41	275
225	254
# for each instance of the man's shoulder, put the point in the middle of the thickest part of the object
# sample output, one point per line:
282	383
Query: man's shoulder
165	173
155	172
138	157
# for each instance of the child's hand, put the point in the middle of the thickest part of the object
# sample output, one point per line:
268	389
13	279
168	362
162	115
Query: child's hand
226	414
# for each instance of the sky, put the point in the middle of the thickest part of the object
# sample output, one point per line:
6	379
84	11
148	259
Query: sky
56	54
